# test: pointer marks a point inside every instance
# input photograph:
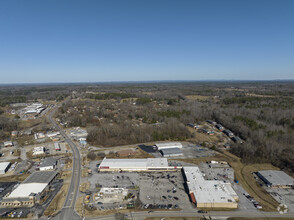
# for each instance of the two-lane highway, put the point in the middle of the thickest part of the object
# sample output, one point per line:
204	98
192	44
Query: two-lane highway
68	210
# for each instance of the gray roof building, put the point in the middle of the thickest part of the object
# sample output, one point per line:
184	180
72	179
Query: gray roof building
48	162
171	152
41	177
276	178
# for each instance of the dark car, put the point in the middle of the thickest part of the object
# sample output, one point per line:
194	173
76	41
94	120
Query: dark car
202	211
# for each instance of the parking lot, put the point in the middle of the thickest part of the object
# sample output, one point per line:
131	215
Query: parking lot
196	151
6	187
115	180
283	196
163	191
14	212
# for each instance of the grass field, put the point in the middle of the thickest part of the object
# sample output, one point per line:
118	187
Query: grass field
243	172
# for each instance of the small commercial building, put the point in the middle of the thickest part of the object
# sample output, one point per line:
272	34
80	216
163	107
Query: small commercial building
49	163
30	190
4	167
53	134
39	135
276	179
209	193
107	194
168	145
135	165
57	146
171	152
38	150
78	133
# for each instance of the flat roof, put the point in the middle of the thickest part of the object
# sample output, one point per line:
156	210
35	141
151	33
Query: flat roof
208	191
4	165
24	190
171	151
276	177
40	177
134	163
48	161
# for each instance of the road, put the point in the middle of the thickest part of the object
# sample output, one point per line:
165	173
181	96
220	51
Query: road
68	210
185	213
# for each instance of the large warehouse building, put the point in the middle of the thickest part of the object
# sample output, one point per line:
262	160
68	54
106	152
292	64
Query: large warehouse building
30	190
209	193
135	165
276	179
161	146
4	167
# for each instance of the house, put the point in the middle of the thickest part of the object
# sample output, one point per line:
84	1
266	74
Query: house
219	127
14	133
211	122
237	140
8	144
228	133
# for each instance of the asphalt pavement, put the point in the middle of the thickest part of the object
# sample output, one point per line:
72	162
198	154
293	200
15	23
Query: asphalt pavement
68	210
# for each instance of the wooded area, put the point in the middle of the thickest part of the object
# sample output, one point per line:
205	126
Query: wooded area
261	113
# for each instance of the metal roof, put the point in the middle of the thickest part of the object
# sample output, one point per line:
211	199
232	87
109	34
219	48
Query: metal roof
171	151
275	177
40	177
168	145
134	163
48	161
4	165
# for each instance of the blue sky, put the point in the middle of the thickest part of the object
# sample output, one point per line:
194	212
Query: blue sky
95	41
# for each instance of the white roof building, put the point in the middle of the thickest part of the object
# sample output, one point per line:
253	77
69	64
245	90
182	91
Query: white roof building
25	190
4	166
168	145
134	164
52	134
38	150
209	193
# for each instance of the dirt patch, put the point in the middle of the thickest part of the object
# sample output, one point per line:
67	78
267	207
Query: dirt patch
197	97
85	186
16	178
